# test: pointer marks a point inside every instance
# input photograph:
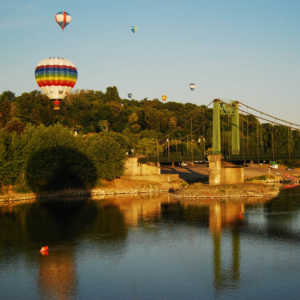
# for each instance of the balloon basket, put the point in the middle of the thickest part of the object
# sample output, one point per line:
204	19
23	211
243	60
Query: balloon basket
56	107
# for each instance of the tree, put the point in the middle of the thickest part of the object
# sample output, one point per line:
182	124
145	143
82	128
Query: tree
107	155
15	125
35	117
10	95
103	125
148	147
5	110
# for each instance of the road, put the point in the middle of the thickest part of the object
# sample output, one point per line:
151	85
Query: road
199	172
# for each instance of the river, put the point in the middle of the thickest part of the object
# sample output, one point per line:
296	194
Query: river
151	248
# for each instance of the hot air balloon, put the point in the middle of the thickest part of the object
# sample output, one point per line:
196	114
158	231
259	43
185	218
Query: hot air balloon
164	97
129	95
133	29
192	86
63	19
56	77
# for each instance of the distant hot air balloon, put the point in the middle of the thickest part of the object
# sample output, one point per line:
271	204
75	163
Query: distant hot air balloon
129	95
63	19
164	97
192	86
133	29
56	77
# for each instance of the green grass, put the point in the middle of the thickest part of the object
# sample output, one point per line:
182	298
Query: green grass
262	177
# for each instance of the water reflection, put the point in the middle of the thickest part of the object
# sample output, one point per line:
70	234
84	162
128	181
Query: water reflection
57	277
135	209
226	215
103	228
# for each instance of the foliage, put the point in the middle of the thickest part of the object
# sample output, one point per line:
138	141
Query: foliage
107	156
262	177
48	158
148	147
97	111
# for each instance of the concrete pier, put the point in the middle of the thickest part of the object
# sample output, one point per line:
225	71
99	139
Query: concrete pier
224	175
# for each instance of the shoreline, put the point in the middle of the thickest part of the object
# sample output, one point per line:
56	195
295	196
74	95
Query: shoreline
227	191
119	186
194	189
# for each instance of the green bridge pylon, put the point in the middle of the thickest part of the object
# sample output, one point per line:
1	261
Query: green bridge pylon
232	109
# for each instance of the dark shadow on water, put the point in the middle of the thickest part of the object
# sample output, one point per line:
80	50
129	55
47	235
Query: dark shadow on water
58	168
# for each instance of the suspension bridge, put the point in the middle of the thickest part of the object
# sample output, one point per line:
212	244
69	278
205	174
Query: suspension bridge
232	129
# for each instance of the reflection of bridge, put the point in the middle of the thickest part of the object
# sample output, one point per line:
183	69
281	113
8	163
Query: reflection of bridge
235	133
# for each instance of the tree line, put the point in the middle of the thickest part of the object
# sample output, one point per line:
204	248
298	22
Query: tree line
109	126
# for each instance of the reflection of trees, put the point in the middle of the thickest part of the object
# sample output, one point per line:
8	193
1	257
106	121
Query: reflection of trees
288	203
12	223
59	224
106	223
280	218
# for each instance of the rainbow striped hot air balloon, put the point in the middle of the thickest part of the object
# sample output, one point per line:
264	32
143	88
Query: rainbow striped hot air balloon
133	29
56	77
63	19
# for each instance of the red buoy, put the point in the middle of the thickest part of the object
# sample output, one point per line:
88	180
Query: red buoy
46	248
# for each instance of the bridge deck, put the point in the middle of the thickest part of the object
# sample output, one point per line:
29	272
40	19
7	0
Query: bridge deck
178	158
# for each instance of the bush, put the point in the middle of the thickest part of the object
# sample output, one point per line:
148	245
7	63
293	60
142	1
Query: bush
50	158
107	156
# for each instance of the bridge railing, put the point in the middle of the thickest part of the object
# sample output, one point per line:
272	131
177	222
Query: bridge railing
226	156
171	158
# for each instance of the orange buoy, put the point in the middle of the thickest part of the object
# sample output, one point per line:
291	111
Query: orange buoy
46	248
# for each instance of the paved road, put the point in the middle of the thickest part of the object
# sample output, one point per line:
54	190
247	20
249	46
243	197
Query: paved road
199	172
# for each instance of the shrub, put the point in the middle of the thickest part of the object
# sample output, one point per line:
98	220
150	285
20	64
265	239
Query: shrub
50	158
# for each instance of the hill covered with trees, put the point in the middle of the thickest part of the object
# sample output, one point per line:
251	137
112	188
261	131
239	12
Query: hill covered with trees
138	123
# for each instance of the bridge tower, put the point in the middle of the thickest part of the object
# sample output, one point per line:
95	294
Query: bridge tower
232	109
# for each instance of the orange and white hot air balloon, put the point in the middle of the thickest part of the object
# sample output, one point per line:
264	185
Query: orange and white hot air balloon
63	19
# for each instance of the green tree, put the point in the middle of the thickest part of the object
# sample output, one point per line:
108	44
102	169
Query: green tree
107	155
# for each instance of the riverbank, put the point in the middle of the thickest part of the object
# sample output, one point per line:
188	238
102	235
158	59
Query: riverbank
119	186
198	187
200	190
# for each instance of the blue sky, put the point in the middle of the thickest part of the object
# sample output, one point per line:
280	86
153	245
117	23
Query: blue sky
242	50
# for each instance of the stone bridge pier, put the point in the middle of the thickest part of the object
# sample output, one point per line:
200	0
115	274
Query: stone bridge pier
224	175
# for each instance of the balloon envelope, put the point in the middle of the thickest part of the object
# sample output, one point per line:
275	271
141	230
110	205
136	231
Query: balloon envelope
56	77
133	29
192	86
129	95
164	97
63	19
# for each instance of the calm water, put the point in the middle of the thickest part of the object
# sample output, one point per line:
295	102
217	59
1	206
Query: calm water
151	248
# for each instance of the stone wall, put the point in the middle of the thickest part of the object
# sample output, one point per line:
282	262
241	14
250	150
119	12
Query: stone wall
232	175
134	168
